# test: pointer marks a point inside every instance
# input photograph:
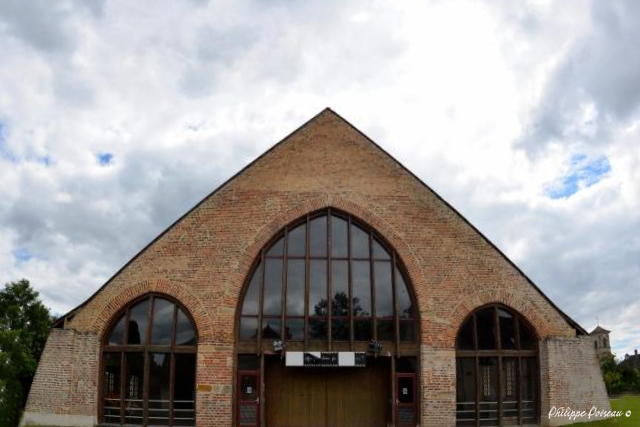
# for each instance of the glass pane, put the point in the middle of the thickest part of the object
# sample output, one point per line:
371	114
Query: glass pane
529	393
527	340
379	252
248	362
384	288
362	329
386	330
318	236
464	340
318	288
317	328
406	365
138	321
159	398
295	287
340	285
117	335
297	241
295	329
252	297
134	383
361	288
507	330
277	248
488	391
509	391
112	387
271	328
405	306
407	330
340	329
162	329
248	388
465	391
405	390
339	237
248	328
185	334
485	325
273	287
184	390
359	242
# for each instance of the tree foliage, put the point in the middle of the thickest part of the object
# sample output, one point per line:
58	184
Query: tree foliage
24	326
619	377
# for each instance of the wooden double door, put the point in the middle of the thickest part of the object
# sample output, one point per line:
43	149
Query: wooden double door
327	397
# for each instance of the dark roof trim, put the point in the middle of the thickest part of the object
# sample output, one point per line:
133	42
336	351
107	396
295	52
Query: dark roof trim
571	322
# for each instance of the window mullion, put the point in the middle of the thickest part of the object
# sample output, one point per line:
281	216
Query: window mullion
372	288
285	274
329	283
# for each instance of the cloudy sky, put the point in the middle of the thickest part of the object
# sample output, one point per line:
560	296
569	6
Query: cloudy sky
116	117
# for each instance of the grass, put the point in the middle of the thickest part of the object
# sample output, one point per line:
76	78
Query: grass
624	404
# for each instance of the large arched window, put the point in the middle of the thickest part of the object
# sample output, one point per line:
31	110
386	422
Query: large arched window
149	366
496	369
327	278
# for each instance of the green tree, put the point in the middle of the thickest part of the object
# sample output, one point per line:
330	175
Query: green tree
24	326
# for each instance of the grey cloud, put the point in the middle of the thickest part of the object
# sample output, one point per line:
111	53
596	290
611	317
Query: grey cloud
603	68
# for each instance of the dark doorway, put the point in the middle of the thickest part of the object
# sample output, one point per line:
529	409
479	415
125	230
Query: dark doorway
323	397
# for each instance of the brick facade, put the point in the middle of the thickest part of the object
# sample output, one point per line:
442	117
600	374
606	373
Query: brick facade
204	258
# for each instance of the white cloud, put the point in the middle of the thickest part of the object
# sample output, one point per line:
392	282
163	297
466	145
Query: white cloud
488	102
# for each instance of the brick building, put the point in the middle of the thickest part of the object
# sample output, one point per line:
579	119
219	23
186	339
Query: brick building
323	285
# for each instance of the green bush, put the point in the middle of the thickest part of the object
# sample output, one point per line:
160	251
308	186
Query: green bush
24	326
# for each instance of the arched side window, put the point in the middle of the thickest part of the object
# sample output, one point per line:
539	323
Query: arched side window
328	277
496	369
149	366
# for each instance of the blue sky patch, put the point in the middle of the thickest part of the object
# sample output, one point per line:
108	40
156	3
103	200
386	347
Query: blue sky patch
584	172
22	255
105	159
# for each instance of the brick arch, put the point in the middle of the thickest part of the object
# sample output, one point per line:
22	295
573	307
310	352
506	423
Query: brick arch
106	313
527	310
269	230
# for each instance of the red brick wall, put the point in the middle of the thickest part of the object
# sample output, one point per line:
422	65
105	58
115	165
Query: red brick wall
204	259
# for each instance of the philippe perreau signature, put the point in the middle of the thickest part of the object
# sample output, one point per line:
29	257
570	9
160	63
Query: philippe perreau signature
562	412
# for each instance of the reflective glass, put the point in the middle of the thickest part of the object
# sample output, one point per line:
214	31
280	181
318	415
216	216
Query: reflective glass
273	287
184	390
252	297
485	325
507	330
340	329
527	340
295	287
162	329
271	328
134	385
384	288
159	397
361	288
386	330
317	328
138	322
295	329
466	392
277	248
379	252
117	335
297	241
248	328
359	242
340	285
339	237
185	334
362	329
405	306
318	236
464	340
318	287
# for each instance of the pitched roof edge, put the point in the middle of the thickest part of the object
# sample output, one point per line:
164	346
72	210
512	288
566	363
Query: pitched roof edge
60	321
579	329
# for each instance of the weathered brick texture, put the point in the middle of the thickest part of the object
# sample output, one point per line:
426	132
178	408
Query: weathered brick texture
571	377
204	259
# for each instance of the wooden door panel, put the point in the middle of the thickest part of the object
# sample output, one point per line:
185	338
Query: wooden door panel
321	397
